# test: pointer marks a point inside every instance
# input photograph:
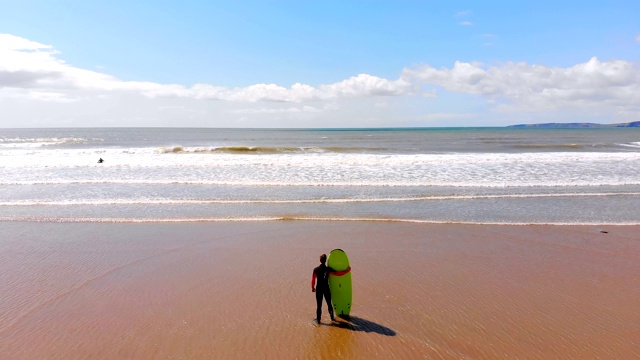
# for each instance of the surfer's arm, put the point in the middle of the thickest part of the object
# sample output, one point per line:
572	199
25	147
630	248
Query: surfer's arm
340	273
313	282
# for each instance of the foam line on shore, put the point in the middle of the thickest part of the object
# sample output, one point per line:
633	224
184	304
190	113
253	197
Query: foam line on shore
295	218
301	201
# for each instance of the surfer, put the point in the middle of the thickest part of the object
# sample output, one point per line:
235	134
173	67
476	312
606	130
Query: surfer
100	161
321	273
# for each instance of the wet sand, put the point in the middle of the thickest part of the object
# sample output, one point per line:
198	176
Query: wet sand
242	290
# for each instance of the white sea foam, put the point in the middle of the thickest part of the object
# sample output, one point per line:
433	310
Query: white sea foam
194	157
302	201
391	184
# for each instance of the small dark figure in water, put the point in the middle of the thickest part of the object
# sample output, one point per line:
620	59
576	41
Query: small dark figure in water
321	288
100	161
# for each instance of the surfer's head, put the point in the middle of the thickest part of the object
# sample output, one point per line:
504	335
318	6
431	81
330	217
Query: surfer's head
323	258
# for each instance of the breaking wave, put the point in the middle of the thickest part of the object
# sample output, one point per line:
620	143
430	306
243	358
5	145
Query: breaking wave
26	142
263	149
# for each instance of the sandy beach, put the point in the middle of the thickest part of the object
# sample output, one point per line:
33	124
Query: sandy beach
242	290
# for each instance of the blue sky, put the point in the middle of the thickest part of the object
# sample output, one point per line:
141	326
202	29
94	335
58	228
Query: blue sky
318	63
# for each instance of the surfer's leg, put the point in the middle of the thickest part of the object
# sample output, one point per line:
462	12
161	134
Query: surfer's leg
319	304
327	297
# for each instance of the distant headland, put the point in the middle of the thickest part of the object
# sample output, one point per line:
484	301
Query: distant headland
577	125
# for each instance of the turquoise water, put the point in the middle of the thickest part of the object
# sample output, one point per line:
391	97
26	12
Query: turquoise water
467	175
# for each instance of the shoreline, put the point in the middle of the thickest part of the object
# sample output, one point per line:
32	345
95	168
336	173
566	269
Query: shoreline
241	289
285	218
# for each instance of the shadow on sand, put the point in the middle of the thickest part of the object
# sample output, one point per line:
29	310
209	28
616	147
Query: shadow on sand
358	324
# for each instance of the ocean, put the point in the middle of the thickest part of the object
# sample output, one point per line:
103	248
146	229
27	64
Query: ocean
432	175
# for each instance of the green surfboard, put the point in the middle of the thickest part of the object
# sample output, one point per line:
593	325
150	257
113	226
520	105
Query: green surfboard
340	285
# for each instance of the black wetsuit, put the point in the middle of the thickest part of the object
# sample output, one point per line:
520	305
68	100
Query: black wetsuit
322	289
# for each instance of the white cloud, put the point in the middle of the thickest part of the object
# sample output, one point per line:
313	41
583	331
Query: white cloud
464	14
448	116
638	38
534	87
363	85
12	42
31	71
289	110
31	65
47	96
27	64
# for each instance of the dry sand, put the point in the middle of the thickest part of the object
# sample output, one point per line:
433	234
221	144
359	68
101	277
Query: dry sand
242	290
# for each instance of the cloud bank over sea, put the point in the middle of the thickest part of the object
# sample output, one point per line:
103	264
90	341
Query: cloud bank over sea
33	74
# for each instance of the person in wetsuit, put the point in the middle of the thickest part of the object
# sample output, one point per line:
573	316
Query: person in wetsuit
321	274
